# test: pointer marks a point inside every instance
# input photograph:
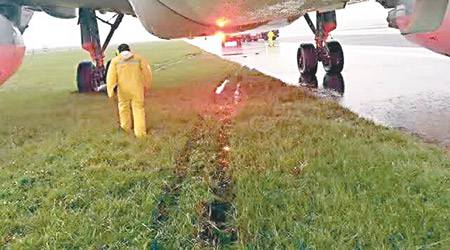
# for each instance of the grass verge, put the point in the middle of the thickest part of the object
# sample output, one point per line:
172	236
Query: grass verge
306	173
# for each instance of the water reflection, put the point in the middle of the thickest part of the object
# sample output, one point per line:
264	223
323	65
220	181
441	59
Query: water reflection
309	81
232	50
333	82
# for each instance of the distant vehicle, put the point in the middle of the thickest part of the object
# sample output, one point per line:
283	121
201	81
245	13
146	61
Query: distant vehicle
232	38
252	37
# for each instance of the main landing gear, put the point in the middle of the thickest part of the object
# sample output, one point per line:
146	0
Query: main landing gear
91	75
329	53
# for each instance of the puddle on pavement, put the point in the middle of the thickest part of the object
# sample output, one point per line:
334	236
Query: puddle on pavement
425	117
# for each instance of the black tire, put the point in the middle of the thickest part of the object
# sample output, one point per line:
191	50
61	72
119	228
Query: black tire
84	77
107	68
103	89
307	59
335	64
108	63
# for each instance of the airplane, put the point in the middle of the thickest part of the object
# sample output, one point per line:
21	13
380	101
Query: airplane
425	22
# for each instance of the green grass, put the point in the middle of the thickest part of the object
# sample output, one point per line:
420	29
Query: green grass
305	173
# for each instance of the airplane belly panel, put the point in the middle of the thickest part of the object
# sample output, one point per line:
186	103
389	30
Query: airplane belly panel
190	18
241	12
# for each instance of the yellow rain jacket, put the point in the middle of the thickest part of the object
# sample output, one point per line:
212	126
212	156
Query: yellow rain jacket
132	75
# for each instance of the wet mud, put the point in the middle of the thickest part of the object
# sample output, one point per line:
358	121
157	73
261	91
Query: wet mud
214	220
205	156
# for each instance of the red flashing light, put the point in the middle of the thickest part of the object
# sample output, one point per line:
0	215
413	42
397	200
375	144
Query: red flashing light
222	22
220	35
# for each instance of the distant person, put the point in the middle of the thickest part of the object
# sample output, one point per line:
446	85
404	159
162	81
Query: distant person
132	76
270	37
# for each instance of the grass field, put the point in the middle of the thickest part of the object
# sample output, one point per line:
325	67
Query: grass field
301	173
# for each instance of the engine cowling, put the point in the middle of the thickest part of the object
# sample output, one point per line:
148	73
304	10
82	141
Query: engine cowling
418	16
166	23
423	22
12	49
437	41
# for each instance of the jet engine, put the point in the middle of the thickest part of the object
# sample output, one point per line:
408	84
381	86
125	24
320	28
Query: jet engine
12	49
167	23
424	22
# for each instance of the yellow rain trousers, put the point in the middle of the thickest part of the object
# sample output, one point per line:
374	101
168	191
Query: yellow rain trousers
132	77
270	37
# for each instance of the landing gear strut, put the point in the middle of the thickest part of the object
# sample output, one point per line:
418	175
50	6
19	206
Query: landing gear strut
329	53
91	76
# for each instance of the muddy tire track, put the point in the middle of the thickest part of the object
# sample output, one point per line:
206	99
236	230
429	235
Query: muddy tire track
169	63
170	196
205	156
215	223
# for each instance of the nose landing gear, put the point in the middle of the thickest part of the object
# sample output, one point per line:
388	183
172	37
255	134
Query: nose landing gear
329	53
91	76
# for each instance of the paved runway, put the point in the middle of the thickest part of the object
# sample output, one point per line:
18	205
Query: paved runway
386	79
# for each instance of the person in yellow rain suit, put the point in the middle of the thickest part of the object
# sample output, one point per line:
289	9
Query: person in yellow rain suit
132	76
270	37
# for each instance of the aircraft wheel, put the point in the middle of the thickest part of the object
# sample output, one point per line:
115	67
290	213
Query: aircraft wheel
307	59
108	63
84	77
335	64
103	88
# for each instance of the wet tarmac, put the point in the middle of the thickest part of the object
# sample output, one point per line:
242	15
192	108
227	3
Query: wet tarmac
386	79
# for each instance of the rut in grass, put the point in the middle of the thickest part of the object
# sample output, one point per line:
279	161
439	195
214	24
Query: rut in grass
205	156
170	195
214	222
